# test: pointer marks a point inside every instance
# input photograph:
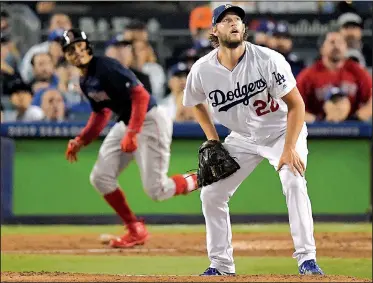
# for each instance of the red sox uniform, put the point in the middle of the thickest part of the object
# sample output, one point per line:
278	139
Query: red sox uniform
143	132
247	100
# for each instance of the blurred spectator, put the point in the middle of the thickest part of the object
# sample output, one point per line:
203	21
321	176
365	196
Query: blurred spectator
263	35
200	20
136	30
122	50
62	74
350	25
57	21
13	57
9	75
146	61
204	51
173	102
43	70
21	100
189	57
284	45
55	49
53	106
1	112
69	86
111	51
4	20
45	7
326	7
335	88
73	95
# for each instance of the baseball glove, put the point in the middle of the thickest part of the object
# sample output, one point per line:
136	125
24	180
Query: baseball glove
214	164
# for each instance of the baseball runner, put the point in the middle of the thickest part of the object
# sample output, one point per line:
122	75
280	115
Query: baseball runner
142	132
251	91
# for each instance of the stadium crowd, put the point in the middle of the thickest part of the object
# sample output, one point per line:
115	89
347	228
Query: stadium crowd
39	86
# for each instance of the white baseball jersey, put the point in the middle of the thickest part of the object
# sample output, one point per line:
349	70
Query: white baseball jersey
247	100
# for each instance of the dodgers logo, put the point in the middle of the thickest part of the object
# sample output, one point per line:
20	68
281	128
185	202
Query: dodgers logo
279	78
237	96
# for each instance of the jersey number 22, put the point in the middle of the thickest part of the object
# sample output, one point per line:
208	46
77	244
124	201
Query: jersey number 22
261	106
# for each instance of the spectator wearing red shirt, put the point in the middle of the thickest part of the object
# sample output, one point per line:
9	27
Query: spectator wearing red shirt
335	88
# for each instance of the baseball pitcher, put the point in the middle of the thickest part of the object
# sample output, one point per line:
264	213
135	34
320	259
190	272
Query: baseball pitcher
251	91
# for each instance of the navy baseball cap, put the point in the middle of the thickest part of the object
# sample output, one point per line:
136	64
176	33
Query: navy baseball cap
118	40
189	54
177	69
335	92
220	11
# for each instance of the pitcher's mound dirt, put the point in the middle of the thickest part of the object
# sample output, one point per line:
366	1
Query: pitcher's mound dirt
351	245
79	277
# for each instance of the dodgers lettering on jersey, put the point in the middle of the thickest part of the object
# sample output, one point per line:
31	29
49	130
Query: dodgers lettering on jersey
108	85
247	99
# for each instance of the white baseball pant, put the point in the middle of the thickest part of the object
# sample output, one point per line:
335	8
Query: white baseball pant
152	157
215	198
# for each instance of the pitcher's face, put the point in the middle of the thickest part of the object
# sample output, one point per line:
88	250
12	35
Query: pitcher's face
230	30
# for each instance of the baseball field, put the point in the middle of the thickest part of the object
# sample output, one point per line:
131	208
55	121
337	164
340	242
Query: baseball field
176	253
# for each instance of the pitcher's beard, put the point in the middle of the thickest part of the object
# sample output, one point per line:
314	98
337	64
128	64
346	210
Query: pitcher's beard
231	44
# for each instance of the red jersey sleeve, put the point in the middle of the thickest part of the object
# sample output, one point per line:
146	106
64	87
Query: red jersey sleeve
304	85
140	103
96	123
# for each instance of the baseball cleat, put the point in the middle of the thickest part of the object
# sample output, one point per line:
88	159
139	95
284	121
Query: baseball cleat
310	267
137	235
214	272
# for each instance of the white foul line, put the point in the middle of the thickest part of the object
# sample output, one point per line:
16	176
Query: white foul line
97	251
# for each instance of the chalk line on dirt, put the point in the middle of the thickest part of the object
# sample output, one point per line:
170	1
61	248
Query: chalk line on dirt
97	251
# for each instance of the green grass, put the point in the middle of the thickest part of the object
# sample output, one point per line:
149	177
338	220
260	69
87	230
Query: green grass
167	265
49	191
83	229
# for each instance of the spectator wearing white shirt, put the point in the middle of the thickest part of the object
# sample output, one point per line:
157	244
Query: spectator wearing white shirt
44	72
21	100
173	102
146	61
57	21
